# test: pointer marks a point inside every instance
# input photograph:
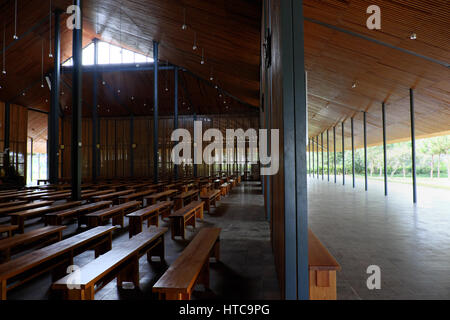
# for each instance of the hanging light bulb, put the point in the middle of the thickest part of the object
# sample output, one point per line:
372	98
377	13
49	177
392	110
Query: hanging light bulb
184	26
15	37
203	56
211	77
4	49
118	90
194	47
42	63
50	55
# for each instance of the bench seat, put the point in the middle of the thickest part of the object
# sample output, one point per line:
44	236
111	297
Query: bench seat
191	267
23	207
112	196
210	198
122	262
322	270
15	244
136	196
57	218
165	195
116	213
56	257
184	217
151	214
185	198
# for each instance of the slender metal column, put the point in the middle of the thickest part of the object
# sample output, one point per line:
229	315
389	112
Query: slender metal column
31	159
322	155
353	155
313	165
383	111
7	132
132	146
343	156
309	157
95	120
365	151
175	117
334	149
317	144
155	115
195	165
53	117
413	144
77	95
328	156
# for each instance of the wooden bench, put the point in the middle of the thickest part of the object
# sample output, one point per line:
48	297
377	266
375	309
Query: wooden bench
38	195
151	214
116	213
65	195
18	218
224	189
8	230
16	244
136	196
165	195
12	204
210	198
191	267
322	270
112	196
23	207
185	198
89	195
185	217
57	218
122	262
56	257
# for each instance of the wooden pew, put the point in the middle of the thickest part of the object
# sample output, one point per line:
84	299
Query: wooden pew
122	262
11	204
151	214
89	195
136	196
112	196
225	189
210	198
56	257
185	217
116	213
38	195
57	218
16	243
18	218
185	198
65	195
322	270
23	207
8	230
165	195
191	267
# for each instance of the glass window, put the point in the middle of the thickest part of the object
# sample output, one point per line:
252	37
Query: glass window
128	56
103	53
115	55
88	55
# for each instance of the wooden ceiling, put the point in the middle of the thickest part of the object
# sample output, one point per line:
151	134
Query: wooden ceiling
335	60
229	33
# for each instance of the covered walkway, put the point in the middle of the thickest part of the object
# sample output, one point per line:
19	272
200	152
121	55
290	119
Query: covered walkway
411	244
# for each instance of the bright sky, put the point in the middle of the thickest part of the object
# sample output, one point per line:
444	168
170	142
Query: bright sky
109	54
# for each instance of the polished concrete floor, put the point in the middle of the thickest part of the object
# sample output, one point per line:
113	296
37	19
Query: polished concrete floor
410	243
246	269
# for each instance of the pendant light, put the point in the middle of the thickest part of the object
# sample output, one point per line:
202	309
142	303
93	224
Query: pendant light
184	26
4	49
203	56
42	63
50	54
194	47
15	37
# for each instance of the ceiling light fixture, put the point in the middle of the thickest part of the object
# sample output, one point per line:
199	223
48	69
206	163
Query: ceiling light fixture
4	49
203	56
211	77
194	47
50	55
42	63
15	37
355	84
184	26
413	36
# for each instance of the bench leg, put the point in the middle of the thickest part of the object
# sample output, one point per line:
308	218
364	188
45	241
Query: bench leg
158	250
175	296
203	278
135	226
130	273
216	251
118	220
81	294
3	290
